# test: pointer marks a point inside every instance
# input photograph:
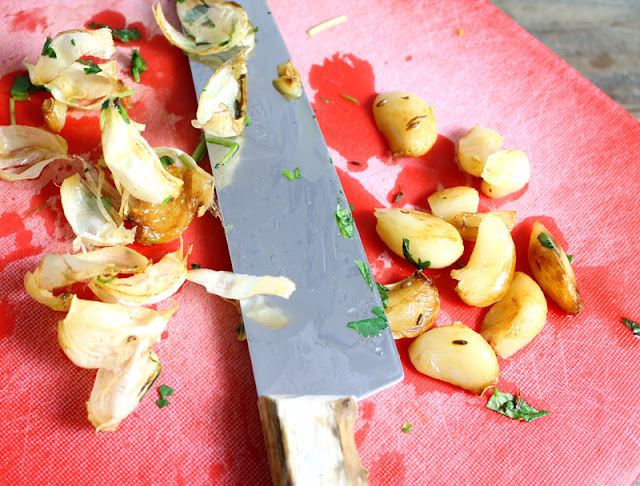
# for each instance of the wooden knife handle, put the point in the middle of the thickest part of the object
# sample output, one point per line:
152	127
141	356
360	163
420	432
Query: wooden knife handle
310	440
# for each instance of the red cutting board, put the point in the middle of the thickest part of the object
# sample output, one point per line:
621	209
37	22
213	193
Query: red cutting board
474	65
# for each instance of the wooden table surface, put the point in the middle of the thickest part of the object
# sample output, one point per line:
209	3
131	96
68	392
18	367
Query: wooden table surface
599	38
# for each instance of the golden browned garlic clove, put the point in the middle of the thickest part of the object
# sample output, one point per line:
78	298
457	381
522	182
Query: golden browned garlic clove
407	122
288	82
430	238
505	172
467	223
414	304
457	355
552	270
475	147
487	276
447	203
517	318
55	114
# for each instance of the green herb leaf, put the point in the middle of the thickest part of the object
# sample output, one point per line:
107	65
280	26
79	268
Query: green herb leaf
165	391
107	202
513	407
195	13
365	272
198	153
124	35
350	98
634	326
330	160
166	161
195	266
167	200
180	1
570	258
324	99
233	31
255	29
406	428
22	86
292	175
225	143
137	65
162	402
105	280
382	290
373	326
93	67
545	240
47	50
407	254
345	221
247	120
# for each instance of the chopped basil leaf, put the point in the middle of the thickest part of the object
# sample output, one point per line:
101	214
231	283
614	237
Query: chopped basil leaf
247	120
124	35
405	251
22	86
166	161
195	13
347	97
382	290
225	143
372	326
545	240
167	200
195	266
93	67
47	50
633	326
292	176
107	202
365	272
406	428
513	407
345	221
137	65
398	197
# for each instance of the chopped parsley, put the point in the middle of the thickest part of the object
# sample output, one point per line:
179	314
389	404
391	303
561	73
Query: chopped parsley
107	202
420	265
406	427
247	120
137	65
124	35
350	98
195	13
93	67
233	31
207	23
166	161
255	29
513	407
167	200
324	99
105	280
372	326
545	240
121	110
198	153
195	266
164	391
292	176
365	272
233	148
633	326
345	221
382	290
180	1
330	160
47	50
73	42
22	86
570	258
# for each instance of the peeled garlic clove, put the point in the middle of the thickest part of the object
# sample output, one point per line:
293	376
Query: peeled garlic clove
552	270
55	114
475	147
413	306
431	238
505	172
288	82
517	318
457	355
447	203
487	276
407	122
467	223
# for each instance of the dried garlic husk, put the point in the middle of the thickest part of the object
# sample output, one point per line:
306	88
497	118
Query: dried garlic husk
288	82
100	335
133	163
223	102
57	271
26	151
116	393
66	48
210	26
156	283
55	114
239	286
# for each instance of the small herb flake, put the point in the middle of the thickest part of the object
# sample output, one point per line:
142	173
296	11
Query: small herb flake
255	29
164	391
105	280
570	258
73	42
93	67
324	99
372	326
107	202
545	240
22	86
407	254
292	176
382	290
330	160
242	334
167	200
406	427
633	326
350	98
166	161
47	50
124	35
195	266
365	272
138	65
513	407
247	120
233	148
345	221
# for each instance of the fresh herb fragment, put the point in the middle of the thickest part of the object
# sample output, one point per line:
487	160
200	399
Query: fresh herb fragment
365	272
372	326
406	428
570	258
93	67
47	50
233	31
195	266
107	202
207	23
633	326
164	391
166	161
225	143
292	176
22	86
105	280
195	13
137	65
350	98
180	1
247	120
420	265
398	197
124	35
162	402
255	29
198	153
382	290
545	240
324	99
513	407
355	162
167	200
242	334
330	160
345	221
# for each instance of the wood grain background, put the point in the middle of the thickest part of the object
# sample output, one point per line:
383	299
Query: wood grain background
599	38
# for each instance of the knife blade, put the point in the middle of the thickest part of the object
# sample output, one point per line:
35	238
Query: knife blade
307	373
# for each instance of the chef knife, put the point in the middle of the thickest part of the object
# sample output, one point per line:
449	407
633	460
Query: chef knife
310	372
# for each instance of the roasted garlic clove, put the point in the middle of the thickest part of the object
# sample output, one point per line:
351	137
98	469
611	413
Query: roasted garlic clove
552	270
457	355
475	147
447	203
467	223
430	239
55	114
407	122
517	318
487	276
413	306
504	173
288	82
